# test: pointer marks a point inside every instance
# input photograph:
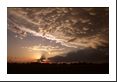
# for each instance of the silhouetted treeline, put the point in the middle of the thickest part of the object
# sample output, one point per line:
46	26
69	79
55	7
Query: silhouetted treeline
54	68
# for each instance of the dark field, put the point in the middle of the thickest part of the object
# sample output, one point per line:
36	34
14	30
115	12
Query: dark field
74	68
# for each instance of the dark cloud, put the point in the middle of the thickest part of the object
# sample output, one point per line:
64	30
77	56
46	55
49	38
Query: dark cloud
89	55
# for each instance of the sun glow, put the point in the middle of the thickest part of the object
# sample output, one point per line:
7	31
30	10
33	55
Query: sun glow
36	56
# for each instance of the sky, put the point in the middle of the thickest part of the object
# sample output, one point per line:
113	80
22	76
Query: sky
61	34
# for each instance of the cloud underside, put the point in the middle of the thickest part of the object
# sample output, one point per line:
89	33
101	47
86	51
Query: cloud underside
72	27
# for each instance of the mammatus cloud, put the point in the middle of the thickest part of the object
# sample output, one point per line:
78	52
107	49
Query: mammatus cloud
72	27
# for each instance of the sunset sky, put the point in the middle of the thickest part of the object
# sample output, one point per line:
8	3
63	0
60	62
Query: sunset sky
61	34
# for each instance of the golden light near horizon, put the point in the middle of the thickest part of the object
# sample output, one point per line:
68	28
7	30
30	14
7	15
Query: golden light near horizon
38	50
36	56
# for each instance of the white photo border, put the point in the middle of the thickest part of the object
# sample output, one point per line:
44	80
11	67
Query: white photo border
58	3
